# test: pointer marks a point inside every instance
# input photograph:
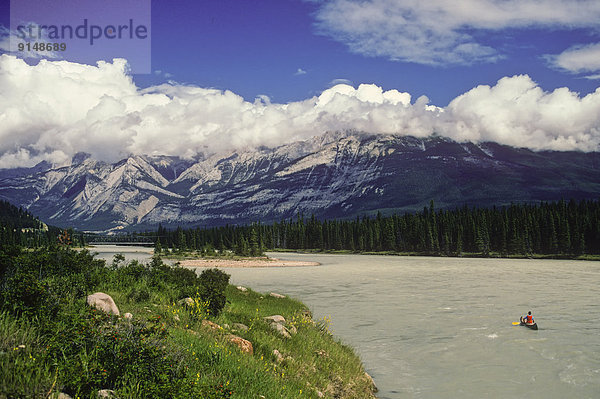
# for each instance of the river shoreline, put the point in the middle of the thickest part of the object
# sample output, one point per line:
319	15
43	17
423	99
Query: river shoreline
464	255
244	263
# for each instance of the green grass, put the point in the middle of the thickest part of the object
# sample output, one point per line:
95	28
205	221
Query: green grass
164	351
315	360
22	372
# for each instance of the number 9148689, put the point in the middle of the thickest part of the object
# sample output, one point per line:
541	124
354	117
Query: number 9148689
27	46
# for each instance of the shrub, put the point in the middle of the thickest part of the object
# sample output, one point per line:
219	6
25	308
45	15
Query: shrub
24	294
117	260
184	281
129	274
139	294
213	284
74	285
7	256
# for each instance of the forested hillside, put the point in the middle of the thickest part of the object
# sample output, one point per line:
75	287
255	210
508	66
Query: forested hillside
15	217
567	228
19	227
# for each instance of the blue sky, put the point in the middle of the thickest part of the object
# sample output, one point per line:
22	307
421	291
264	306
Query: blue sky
286	49
256	47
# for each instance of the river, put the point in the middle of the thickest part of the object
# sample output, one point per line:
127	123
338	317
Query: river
441	327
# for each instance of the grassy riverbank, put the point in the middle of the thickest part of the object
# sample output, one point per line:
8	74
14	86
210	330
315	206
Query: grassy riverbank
51	341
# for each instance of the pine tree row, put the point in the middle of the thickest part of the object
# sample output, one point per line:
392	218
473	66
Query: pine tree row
569	228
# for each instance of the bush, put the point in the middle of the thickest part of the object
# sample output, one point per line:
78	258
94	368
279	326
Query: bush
129	274
184	281
187	280
24	294
139	294
154	277
7	256
213	283
35	282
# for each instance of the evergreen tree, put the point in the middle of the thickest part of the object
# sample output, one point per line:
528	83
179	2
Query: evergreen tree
253	241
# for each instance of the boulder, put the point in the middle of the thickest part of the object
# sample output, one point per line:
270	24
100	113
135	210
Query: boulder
276	295
279	324
210	325
103	302
244	345
128	316
243	289
240	326
278	356
56	395
275	319
107	394
280	328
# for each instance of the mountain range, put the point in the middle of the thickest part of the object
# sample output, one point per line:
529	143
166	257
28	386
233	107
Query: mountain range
337	175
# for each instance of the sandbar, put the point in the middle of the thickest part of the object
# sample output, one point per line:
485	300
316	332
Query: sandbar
245	262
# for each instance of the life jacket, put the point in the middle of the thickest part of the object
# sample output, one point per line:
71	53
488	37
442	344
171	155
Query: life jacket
529	319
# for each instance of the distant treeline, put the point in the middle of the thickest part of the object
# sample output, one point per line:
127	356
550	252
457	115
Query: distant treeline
568	228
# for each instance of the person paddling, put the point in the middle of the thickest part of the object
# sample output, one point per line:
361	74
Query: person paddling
528	319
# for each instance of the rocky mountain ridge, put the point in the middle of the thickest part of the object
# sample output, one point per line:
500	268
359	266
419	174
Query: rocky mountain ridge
335	176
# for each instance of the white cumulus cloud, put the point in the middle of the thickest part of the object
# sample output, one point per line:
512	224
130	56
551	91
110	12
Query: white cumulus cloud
54	109
578	59
517	112
438	32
